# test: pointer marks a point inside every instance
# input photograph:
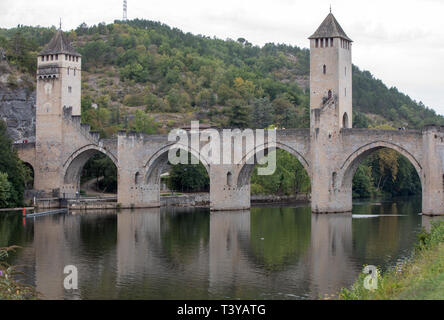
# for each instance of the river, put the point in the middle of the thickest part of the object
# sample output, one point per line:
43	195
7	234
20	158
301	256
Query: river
281	252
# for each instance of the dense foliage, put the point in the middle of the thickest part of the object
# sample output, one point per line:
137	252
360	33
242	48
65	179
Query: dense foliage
13	173
159	69
289	178
188	177
101	169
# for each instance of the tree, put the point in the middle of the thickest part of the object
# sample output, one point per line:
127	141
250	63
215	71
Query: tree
17	173
245	88
142	122
363	182
5	190
388	166
101	168
238	117
263	113
290	177
188	177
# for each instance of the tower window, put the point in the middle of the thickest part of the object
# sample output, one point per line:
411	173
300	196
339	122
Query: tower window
77	59
324	69
326	42
66	57
68	71
229	179
74	72
331	42
52	58
69	89
317	43
43	58
333	180
57	57
136	178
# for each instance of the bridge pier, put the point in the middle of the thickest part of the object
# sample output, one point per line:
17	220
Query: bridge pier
433	170
136	195
225	194
69	191
327	197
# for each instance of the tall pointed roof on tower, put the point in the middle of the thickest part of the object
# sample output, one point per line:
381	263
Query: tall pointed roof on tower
59	45
330	28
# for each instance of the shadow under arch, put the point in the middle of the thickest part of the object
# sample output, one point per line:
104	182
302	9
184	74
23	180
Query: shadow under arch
247	169
156	164
352	162
73	166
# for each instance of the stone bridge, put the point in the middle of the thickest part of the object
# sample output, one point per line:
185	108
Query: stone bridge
329	150
330	159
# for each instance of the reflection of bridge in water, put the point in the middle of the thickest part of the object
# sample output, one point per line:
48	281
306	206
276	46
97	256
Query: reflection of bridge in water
153	253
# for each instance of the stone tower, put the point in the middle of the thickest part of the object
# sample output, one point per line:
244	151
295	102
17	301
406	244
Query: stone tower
331	70
330	111
58	89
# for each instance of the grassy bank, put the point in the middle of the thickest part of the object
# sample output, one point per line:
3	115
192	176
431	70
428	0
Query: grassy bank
419	278
10	288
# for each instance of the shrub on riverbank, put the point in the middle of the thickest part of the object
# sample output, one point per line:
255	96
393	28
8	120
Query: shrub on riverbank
10	288
15	174
420	278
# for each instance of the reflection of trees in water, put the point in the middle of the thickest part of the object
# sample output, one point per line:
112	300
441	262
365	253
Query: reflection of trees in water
98	233
379	240
285	233
13	232
98	240
183	233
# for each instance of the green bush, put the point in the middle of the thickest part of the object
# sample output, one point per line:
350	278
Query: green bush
17	173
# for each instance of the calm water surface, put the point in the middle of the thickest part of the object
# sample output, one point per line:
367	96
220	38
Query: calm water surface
178	253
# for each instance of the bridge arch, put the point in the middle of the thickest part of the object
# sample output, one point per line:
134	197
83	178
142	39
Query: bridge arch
247	169
157	162
350	165
72	168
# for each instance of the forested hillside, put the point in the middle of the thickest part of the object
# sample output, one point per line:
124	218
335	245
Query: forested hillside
142	70
148	77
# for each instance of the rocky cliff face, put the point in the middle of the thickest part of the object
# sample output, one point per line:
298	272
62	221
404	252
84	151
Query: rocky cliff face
17	109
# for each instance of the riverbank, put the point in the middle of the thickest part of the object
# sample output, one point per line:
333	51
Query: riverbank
420	278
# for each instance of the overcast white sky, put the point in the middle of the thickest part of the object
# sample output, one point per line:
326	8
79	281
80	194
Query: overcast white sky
400	41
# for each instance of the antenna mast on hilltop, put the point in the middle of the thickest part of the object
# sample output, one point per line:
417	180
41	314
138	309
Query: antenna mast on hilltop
125	10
